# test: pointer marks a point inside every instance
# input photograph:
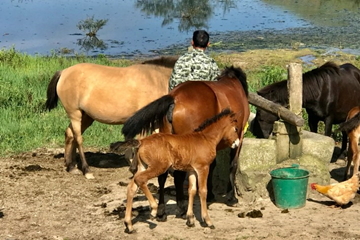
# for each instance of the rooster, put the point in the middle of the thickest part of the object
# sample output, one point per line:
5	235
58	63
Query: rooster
342	193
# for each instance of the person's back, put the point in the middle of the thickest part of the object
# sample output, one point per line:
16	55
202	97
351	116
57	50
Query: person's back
195	65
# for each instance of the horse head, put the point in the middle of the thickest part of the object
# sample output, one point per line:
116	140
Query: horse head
233	130
263	123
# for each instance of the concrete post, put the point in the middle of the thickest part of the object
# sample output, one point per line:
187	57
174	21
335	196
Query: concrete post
295	89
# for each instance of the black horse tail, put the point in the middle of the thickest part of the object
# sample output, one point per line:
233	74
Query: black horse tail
350	124
52	97
148	118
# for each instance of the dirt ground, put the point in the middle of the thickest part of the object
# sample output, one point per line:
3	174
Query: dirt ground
40	200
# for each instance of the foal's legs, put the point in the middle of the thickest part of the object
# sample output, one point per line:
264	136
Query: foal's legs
192	191
131	191
140	179
353	154
202	175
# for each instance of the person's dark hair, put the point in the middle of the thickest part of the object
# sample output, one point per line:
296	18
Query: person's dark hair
200	38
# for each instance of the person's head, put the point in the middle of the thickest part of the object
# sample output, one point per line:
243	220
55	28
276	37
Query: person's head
200	39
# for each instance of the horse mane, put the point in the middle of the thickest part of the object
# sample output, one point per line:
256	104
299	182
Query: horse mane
236	72
164	61
276	91
311	81
214	119
316	77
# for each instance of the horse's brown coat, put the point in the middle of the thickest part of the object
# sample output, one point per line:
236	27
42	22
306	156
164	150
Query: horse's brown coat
194	102
192	152
352	127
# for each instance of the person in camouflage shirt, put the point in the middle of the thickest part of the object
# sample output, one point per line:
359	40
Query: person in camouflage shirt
195	65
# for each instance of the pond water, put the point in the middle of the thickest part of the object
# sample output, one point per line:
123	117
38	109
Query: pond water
145	27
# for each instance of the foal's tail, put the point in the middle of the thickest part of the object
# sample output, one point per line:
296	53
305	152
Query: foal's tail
52	97
148	118
120	147
350	124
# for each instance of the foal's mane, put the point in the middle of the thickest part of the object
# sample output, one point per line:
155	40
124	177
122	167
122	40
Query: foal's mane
164	61
214	119
235	72
312	80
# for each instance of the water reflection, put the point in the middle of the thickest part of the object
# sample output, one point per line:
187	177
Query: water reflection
91	43
191	14
90	27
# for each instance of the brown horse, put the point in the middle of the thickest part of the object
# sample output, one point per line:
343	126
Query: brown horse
192	152
352	127
185	108
91	92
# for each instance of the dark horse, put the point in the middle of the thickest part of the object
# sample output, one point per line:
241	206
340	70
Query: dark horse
183	110
329	92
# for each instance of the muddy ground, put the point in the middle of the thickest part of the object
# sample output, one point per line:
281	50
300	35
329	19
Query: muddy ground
40	200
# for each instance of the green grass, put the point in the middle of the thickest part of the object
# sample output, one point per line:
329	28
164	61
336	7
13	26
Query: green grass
24	122
26	125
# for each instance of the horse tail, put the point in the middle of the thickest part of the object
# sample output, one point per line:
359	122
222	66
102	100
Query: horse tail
350	124
148	118
52	97
120	147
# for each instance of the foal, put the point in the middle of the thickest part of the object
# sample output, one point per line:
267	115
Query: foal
352	127
193	152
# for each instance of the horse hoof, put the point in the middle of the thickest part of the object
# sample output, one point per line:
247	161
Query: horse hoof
190	224
204	224
127	228
161	218
233	202
89	176
129	232
75	171
181	215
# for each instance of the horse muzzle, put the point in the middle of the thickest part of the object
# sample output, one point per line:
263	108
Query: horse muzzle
236	143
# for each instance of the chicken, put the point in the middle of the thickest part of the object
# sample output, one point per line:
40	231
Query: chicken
342	193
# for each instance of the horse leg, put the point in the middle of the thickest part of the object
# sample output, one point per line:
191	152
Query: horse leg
230	196
313	122
141	180
356	153
131	191
210	195
202	178
70	151
350	155
79	123
161	214
192	191
344	143
179	178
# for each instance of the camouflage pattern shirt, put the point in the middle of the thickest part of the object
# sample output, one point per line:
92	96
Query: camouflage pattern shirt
194	65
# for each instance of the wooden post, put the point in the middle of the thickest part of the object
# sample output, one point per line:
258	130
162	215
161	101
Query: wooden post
295	88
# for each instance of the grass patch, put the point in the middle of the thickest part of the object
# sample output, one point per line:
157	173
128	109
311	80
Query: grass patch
25	125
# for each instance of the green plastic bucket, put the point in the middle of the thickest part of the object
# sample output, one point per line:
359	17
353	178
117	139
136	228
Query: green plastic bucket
290	186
